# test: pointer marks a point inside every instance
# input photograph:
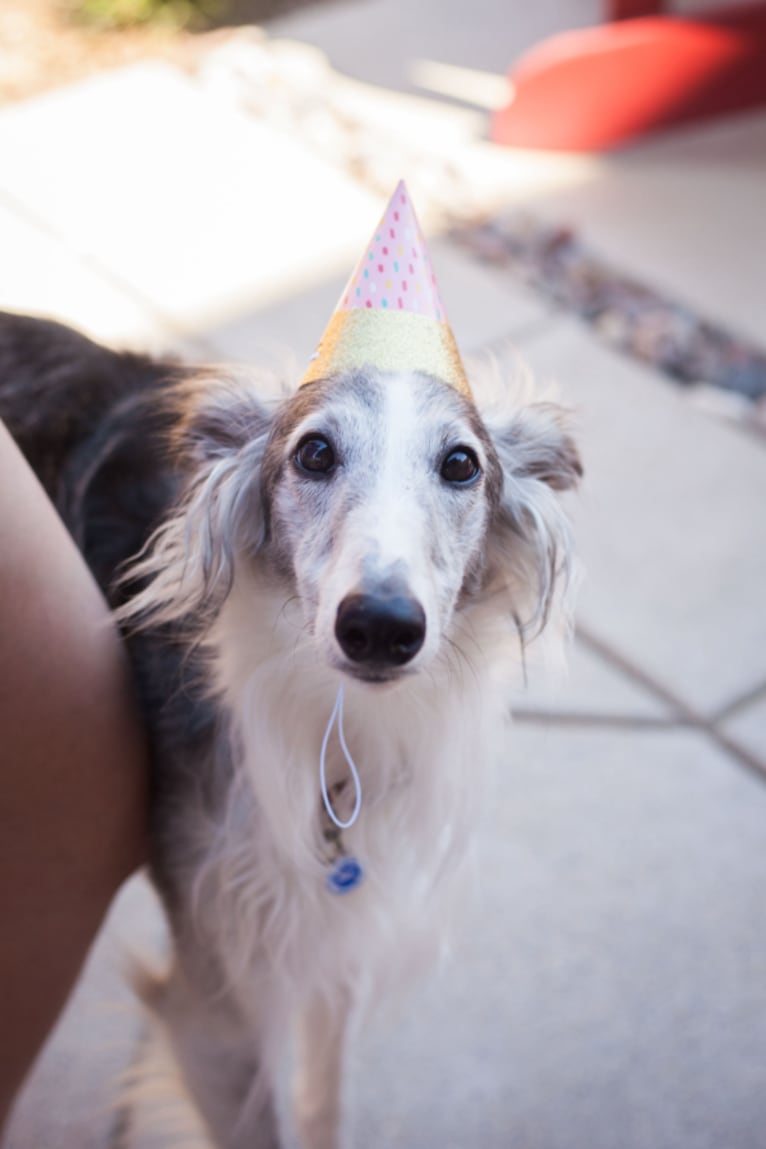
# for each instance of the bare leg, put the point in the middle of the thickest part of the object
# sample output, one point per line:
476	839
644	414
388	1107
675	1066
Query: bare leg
317	1089
72	767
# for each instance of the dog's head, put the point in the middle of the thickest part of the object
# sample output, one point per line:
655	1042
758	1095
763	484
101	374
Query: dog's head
386	503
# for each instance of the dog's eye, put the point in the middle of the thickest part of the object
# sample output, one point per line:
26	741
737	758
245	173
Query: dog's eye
315	455
460	466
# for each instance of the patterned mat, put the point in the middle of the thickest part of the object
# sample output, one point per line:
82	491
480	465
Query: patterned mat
628	315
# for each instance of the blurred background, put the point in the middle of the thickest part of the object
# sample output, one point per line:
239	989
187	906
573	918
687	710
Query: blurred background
199	176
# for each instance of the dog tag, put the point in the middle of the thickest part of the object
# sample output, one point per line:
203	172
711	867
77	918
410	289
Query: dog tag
345	875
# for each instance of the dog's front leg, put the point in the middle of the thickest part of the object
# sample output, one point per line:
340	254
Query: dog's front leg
216	1052
318	1082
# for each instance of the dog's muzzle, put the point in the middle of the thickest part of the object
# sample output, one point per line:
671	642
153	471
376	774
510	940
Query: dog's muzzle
380	632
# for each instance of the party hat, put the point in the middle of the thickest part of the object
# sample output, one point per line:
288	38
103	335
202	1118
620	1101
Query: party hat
391	315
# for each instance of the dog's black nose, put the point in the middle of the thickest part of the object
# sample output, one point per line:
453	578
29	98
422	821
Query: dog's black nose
380	630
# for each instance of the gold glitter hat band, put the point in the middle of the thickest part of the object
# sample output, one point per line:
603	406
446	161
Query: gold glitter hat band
391	315
390	341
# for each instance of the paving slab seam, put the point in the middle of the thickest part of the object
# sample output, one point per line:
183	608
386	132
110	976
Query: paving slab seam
750	697
92	264
684	715
540	716
606	652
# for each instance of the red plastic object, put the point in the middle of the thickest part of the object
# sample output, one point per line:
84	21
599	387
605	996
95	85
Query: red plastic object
595	89
628	9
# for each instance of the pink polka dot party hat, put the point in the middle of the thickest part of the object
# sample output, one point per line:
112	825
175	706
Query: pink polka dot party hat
390	315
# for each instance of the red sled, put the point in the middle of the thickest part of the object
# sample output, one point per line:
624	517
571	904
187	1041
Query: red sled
595	89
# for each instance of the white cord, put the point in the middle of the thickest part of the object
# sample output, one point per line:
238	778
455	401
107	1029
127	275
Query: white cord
337	712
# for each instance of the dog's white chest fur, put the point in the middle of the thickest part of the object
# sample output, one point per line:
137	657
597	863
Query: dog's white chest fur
423	752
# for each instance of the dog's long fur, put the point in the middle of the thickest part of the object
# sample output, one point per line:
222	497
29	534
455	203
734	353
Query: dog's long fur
226	566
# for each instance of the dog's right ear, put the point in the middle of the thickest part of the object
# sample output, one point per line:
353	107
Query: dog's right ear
218	431
215	418
221	437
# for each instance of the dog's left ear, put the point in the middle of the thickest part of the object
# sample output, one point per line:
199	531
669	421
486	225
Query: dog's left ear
534	443
530	548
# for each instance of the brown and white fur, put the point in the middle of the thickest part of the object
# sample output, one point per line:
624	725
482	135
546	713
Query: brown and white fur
240	562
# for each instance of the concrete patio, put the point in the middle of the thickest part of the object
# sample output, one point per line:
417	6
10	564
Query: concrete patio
609	985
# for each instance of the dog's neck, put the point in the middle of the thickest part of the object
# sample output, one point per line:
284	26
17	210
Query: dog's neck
421	746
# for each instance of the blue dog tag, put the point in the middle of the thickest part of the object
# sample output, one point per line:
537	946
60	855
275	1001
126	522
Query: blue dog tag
345	875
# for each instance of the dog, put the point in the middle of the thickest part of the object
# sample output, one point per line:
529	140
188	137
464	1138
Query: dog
262	545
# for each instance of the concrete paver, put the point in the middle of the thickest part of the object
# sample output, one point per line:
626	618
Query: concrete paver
202	211
748	727
681	213
590	687
378	40
610	985
670	523
38	275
